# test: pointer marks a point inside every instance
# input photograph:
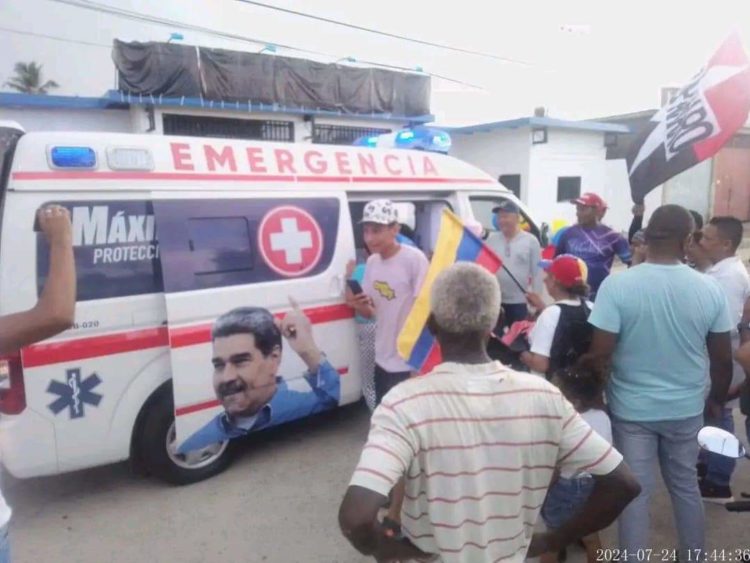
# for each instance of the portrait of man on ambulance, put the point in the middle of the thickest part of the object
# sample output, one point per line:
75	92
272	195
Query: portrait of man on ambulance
247	348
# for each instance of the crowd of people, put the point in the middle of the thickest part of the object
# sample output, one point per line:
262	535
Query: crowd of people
616	372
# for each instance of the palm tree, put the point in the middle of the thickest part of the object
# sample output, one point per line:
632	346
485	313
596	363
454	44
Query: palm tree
28	79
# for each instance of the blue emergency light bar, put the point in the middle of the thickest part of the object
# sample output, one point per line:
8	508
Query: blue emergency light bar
371	142
418	138
73	157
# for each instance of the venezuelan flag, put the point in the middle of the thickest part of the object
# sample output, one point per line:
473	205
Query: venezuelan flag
455	243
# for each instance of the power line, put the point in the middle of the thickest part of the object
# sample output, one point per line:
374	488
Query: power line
105	46
137	16
387	34
54	37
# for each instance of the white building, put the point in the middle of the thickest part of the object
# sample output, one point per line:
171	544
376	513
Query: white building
120	113
547	162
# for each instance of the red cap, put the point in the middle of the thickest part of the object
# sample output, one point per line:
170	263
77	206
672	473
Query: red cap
590	200
569	270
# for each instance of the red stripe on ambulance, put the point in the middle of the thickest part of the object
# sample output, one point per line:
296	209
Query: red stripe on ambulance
132	341
201	334
94	347
192	176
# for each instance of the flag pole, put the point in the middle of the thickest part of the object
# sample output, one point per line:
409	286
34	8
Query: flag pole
507	271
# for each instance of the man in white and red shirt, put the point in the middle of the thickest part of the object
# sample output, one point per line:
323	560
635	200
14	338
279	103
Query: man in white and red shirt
478	444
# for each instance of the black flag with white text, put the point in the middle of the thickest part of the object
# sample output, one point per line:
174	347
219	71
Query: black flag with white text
696	123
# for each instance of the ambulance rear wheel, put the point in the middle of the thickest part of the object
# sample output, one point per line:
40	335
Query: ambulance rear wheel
159	452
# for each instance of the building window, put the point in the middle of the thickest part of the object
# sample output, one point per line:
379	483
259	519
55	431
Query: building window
227	128
219	245
342	134
568	187
512	182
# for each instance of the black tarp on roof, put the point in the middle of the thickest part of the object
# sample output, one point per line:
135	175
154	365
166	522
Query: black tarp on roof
166	69
157	68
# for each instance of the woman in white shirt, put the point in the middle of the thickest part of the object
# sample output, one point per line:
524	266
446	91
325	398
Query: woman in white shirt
561	333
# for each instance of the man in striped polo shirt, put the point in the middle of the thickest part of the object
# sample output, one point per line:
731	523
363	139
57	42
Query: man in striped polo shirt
477	444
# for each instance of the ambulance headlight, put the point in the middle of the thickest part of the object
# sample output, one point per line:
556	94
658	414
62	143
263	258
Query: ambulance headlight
72	157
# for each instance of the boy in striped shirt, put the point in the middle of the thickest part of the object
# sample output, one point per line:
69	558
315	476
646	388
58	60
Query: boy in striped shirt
477	444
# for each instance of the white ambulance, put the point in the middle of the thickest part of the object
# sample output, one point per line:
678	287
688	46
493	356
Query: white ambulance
169	233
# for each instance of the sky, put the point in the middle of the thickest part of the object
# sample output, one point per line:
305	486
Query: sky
580	59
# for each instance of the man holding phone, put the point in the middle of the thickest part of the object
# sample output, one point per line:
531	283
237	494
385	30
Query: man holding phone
393	278
354	286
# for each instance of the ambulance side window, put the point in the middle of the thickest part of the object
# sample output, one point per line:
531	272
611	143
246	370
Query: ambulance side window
115	246
420	222
219	243
482	207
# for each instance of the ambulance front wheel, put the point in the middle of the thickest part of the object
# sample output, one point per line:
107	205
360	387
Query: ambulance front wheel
159	452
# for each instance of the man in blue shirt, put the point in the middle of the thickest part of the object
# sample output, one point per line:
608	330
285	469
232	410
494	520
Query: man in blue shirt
660	323
246	357
592	242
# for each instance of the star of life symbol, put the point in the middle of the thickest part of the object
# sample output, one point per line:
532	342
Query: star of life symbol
291	241
74	394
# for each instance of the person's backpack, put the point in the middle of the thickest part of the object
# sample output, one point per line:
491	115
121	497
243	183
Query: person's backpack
572	336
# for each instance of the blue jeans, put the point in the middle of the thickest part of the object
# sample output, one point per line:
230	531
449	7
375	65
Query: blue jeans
565	498
4	545
674	445
720	467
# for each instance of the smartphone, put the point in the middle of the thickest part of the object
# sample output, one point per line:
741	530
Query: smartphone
354	286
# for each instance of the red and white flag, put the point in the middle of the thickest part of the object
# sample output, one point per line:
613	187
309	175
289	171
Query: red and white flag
696	123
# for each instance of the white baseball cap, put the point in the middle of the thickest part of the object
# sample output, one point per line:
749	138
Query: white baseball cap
381	212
